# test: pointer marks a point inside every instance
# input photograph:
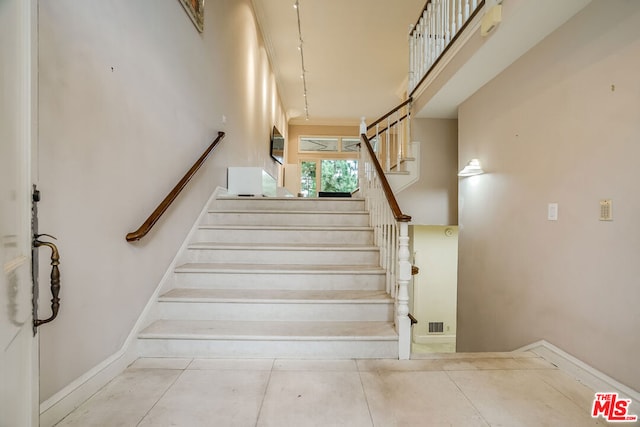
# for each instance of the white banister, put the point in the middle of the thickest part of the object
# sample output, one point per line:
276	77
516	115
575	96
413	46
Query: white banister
403	323
391	235
438	25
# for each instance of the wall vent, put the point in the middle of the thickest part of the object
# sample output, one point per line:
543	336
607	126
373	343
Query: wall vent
436	327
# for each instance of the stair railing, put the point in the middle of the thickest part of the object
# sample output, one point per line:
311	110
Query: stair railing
391	231
390	136
439	25
164	205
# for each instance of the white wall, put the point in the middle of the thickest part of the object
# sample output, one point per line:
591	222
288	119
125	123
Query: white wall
562	125
130	96
433	199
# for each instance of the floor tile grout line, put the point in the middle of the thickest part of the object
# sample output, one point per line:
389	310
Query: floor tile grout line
266	389
189	364
164	393
364	392
544	380
468	398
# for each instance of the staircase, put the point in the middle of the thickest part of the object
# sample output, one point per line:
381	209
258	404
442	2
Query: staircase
276	277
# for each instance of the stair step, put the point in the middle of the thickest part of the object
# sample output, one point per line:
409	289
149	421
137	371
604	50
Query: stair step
292	203
249	330
275	296
258	277
278	269
270	253
287	217
299	340
311	340
284	234
274	305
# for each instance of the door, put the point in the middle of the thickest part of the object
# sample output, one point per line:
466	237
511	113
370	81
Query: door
18	346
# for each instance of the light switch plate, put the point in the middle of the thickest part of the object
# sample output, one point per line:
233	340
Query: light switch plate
552	212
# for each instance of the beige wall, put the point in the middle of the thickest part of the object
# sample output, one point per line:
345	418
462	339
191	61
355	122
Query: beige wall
293	157
560	125
296	131
130	96
433	199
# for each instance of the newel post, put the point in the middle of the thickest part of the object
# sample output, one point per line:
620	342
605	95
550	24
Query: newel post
403	323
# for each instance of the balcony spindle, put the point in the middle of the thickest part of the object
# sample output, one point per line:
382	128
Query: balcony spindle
439	23
401	135
412	59
439	27
454	27
432	38
388	146
447	29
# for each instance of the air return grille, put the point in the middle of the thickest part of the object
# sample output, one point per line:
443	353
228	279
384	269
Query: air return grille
436	327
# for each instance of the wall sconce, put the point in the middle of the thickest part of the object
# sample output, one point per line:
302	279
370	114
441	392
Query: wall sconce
472	168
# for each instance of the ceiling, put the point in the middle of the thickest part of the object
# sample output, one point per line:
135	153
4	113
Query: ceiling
355	53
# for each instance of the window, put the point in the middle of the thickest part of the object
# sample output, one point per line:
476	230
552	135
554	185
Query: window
309	144
323	144
335	176
328	164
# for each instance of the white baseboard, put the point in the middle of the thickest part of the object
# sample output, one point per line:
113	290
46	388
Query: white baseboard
588	375
434	339
78	391
73	395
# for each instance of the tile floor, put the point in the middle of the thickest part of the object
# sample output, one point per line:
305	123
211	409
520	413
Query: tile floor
484	389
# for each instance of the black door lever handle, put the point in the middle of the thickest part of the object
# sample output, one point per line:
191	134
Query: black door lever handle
55	279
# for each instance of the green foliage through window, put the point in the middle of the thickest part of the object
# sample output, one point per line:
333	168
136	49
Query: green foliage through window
336	176
339	175
308	179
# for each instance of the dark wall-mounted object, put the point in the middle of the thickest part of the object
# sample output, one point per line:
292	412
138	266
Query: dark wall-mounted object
277	146
334	194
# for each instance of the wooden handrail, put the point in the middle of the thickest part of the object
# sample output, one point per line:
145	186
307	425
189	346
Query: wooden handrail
390	113
381	131
391	198
162	207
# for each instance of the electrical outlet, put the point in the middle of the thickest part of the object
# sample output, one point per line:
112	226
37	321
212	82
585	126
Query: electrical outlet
606	210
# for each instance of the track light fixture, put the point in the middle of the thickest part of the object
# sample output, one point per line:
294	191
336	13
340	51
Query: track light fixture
296	6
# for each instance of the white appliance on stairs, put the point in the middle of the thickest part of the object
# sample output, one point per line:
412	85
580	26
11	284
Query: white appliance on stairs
267	277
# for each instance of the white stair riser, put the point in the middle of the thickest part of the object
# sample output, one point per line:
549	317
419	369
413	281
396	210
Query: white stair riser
275	311
298	256
365	282
294	204
268	349
220	235
288	219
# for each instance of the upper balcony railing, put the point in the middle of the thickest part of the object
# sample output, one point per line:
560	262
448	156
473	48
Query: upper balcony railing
440	23
390	138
